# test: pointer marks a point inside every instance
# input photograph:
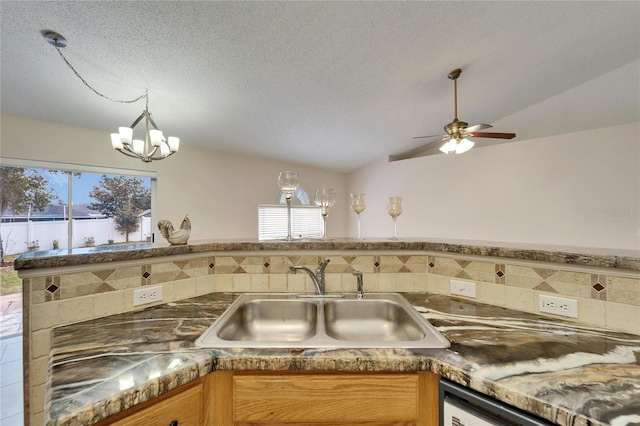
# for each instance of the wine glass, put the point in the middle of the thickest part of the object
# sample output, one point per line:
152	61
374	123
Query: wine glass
288	183
325	199
394	208
358	205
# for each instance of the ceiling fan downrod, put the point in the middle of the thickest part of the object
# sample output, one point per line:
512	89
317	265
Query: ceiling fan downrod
453	75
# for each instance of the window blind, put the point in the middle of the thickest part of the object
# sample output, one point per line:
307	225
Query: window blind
272	221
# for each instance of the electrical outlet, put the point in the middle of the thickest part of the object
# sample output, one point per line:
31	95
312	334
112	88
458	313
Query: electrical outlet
463	288
558	306
195	230
146	295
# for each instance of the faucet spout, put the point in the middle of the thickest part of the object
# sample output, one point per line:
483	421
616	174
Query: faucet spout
360	289
317	278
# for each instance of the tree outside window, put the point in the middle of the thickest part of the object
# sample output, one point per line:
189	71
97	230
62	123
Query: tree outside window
22	190
122	198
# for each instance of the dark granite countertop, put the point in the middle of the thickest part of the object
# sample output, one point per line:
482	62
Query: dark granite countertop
564	372
622	259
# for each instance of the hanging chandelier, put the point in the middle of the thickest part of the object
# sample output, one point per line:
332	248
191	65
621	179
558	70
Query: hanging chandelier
154	141
155	146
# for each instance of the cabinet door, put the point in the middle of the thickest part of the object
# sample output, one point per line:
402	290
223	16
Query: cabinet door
183	407
328	398
302	399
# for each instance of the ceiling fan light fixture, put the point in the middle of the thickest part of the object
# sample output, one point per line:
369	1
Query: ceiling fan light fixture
457	146
454	138
464	145
449	147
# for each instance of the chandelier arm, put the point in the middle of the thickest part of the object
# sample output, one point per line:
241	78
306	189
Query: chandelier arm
127	152
147	159
153	123
140	117
153	151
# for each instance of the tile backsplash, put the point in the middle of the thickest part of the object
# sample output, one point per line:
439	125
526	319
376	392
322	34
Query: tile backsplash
495	280
606	297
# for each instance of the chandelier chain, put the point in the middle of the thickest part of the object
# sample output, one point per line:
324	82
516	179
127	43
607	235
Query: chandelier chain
154	146
146	95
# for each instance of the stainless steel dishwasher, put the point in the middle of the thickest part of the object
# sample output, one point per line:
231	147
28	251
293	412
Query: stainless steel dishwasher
460	406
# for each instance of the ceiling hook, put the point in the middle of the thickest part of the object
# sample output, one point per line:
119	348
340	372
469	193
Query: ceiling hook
55	39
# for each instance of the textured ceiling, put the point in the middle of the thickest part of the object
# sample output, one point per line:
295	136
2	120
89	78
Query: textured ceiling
335	85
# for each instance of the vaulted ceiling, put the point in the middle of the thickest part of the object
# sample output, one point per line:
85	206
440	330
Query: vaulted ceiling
334	85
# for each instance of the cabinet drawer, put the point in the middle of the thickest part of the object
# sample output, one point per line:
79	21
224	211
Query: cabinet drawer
330	398
185	407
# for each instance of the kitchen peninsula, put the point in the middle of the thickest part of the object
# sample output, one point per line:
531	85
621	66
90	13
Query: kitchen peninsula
93	287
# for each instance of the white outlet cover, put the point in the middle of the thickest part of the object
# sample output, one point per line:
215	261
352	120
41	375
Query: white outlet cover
462	288
145	295
558	306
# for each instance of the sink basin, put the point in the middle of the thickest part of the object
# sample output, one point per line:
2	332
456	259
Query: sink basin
370	320
274	320
271	321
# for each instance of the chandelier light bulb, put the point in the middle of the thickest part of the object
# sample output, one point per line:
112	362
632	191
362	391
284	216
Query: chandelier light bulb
156	137
116	141
138	146
164	149
174	143
126	135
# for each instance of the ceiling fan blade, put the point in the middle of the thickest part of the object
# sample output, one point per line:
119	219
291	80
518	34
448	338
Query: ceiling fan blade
477	127
421	151
429	136
492	135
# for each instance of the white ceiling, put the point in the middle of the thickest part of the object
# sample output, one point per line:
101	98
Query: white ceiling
335	85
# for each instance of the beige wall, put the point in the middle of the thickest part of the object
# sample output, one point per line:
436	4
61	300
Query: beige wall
220	192
579	190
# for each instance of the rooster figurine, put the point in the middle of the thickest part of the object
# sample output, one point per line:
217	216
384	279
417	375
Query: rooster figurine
175	236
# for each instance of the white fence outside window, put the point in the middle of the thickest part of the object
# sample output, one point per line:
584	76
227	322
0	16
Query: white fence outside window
16	236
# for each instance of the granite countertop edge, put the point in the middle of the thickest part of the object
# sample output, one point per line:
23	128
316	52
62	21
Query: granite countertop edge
619	259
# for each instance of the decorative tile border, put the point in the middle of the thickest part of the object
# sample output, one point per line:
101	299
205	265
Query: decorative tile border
597	286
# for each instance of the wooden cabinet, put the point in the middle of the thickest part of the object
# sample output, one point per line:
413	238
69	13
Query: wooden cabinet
372	399
180	407
227	398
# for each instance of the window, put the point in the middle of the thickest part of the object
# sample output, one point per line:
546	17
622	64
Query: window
70	215
272	221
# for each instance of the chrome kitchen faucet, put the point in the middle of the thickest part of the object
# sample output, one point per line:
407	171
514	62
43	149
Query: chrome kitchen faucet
317	278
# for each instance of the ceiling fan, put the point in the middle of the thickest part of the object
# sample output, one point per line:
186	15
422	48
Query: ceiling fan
457	132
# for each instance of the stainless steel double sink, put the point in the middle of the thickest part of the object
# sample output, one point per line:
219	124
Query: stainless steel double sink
380	320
